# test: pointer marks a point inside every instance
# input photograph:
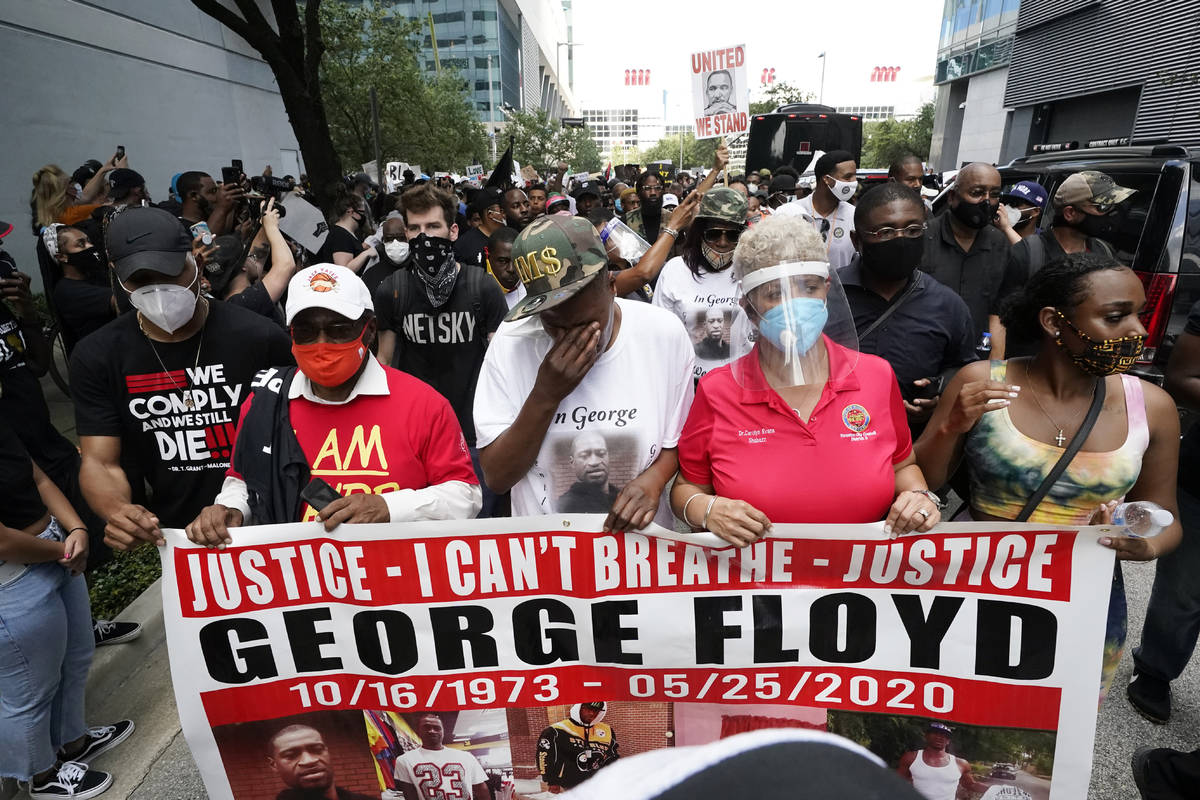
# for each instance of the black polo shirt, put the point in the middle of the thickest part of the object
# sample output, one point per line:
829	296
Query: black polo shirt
975	276
929	334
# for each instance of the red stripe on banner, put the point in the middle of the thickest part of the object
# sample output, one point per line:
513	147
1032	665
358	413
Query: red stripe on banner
959	700
1031	564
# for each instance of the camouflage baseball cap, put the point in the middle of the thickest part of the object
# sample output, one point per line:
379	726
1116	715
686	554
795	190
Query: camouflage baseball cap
723	204
1090	186
555	257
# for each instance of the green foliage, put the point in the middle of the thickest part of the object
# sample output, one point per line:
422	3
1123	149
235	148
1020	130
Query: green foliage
118	583
423	119
889	139
696	153
778	94
541	142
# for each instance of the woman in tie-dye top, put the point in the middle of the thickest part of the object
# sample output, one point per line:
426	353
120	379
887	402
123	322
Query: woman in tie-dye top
1013	419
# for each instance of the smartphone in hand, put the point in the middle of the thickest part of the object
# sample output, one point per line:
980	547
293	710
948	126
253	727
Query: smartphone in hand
318	494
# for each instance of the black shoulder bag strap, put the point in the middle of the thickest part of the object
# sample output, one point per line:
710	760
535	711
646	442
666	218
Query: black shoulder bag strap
882	318
1077	441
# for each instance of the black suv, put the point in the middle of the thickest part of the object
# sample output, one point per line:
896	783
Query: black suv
1160	231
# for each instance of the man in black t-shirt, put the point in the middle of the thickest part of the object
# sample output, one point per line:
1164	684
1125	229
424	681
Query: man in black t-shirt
469	246
436	319
161	388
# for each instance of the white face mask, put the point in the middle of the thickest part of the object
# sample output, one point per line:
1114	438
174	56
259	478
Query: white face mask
396	249
843	190
167	305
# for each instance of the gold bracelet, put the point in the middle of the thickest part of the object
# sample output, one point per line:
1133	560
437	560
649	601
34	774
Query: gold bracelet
685	506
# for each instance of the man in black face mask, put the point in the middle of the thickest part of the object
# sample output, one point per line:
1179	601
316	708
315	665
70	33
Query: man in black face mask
916	324
964	250
437	317
1087	215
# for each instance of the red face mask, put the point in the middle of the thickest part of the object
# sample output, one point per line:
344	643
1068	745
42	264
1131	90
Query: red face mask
328	363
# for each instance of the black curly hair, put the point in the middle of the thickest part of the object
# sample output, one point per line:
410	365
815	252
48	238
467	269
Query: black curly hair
1061	284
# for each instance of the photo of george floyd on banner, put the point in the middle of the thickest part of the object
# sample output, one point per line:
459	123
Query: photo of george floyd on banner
720	92
515	658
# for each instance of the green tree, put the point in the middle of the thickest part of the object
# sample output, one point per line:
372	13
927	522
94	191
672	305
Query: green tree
423	119
293	48
542	142
889	139
696	152
778	94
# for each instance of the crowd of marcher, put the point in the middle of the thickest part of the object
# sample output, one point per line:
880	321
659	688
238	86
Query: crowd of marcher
718	352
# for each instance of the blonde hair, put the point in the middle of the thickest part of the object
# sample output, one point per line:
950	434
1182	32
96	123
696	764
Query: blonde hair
49	199
775	240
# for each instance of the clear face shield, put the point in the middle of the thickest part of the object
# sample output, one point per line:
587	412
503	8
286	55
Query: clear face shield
796	324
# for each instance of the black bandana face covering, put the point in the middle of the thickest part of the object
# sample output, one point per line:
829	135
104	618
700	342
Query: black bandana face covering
433	260
1102	357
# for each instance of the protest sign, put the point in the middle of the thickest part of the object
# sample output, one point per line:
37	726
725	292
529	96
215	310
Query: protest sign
394	174
502	628
719	92
303	223
475	171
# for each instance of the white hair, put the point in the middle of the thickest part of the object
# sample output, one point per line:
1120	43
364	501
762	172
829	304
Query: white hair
776	240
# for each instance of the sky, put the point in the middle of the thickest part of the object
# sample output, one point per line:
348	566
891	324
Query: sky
660	35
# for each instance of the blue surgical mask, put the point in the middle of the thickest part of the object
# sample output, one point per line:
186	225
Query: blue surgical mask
796	323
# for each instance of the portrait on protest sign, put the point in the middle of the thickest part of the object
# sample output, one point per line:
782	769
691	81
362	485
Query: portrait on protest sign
720	93
998	758
560	746
298	756
434	755
590	467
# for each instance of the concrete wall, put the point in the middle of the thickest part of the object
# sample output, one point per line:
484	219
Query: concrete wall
983	118
161	78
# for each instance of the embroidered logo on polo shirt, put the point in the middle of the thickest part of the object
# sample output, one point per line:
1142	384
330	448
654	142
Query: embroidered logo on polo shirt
856	418
838	233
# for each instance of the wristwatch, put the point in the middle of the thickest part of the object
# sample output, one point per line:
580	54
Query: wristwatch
933	498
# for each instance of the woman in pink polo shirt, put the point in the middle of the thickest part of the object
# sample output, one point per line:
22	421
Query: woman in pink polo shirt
803	428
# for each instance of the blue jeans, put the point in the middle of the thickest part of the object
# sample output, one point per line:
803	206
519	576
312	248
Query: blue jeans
1173	615
46	649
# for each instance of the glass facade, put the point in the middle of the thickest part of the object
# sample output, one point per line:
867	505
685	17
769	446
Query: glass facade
869	112
468	31
976	36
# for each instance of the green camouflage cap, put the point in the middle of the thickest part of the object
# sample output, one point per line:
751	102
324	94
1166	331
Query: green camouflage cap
723	204
555	257
1090	186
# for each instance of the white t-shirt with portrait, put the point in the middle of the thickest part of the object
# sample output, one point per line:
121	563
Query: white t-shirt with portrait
837	239
629	407
706	304
446	774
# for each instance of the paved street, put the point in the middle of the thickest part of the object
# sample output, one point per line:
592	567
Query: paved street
157	765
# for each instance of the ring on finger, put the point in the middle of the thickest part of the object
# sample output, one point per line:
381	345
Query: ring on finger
923	513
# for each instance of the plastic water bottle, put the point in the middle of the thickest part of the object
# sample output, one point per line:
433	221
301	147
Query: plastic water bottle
1142	518
984	350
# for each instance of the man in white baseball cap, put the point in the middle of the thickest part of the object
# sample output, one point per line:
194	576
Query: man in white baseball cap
390	445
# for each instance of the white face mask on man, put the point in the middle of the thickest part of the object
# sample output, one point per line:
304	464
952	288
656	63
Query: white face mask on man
843	190
397	250
168	306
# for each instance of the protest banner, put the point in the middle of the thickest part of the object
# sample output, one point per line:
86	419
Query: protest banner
345	643
475	171
720	92
303	223
394	175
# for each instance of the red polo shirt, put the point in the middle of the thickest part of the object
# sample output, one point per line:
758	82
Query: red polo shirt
839	467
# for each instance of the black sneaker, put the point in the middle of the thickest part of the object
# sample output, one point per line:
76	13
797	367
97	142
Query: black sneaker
1150	697
1138	762
73	780
106	632
103	738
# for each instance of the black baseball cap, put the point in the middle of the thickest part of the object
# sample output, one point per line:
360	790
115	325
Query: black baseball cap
585	187
122	181
487	197
147	238
782	183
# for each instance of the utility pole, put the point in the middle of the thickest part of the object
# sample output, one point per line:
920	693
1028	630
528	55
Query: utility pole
491	110
821	96
437	63
375	127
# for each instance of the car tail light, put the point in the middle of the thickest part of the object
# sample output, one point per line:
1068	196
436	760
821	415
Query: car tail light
791	116
1160	292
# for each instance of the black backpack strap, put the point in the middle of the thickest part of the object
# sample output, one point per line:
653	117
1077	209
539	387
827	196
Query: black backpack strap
1064	461
1037	253
893	308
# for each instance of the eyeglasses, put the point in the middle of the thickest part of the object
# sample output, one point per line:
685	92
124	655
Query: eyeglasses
978	192
308	332
887	234
714	235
